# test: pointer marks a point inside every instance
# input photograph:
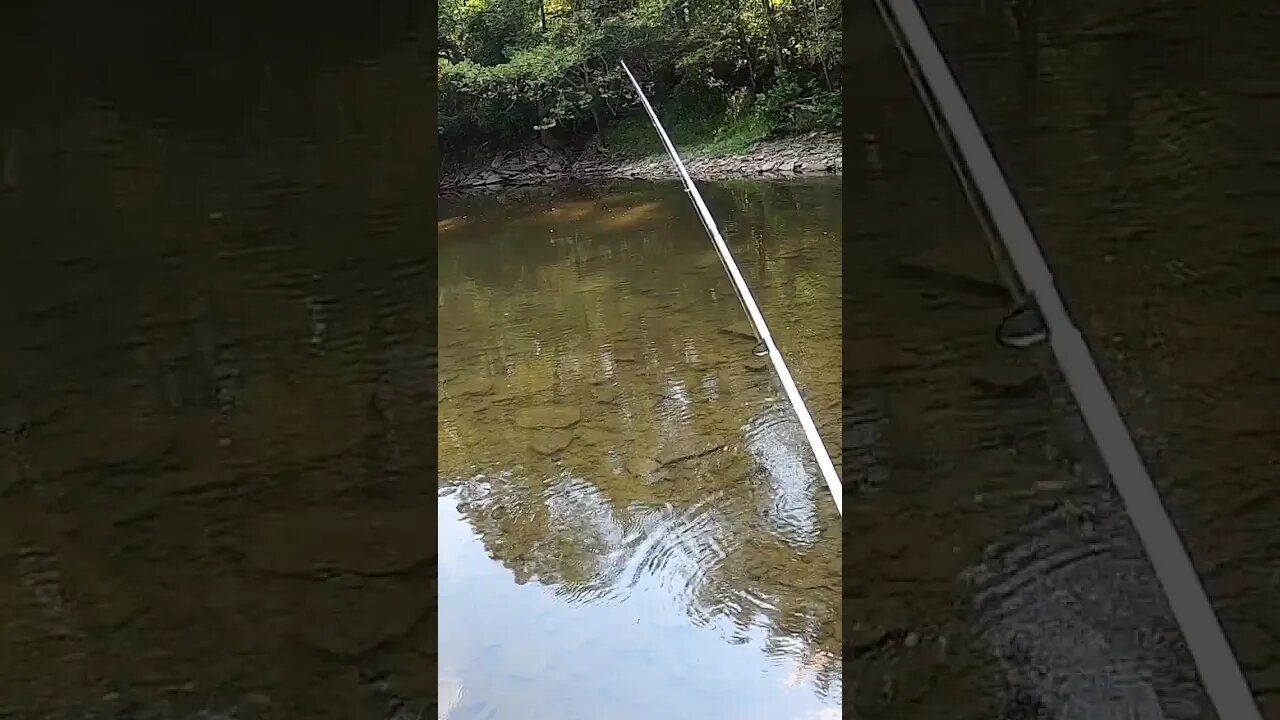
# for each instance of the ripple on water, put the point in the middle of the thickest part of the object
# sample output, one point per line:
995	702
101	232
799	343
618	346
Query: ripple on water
641	553
606	556
630	605
674	551
863	440
788	475
1072	610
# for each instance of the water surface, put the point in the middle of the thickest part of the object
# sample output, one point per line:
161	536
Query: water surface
1138	135
999	576
216	358
631	524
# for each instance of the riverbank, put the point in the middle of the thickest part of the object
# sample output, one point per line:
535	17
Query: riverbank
814	153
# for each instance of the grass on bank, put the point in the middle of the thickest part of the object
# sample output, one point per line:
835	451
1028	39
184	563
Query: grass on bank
702	127
634	137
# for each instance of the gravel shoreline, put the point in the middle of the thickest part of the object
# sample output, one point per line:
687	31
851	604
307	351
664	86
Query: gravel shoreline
816	153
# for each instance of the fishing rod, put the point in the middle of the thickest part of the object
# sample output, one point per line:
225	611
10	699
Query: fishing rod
749	305
986	187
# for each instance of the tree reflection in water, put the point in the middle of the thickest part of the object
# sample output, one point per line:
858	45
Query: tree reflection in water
609	440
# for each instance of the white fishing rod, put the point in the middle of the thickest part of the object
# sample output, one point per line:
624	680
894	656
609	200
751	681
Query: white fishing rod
749	305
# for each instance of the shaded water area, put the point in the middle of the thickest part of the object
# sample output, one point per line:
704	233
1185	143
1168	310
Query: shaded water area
631	523
1135	134
1144	148
216	361
1001	575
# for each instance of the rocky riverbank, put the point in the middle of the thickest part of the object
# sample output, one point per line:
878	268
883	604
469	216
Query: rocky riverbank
817	153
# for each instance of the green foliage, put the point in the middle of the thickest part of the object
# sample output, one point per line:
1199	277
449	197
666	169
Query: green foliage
709	136
790	106
518	69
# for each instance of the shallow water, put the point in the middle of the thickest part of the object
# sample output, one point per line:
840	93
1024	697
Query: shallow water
216	358
631	523
1151	179
1001	577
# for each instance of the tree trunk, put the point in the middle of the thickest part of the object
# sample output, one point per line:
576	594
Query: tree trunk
595	110
600	143
746	44
548	140
772	22
822	56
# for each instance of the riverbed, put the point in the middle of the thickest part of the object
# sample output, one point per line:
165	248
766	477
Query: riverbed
1148	186
216	365
631	523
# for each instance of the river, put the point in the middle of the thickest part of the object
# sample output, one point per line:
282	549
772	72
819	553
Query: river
623	486
218	377
1132	133
217	357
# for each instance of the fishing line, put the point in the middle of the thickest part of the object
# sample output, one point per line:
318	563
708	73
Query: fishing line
749	306
976	168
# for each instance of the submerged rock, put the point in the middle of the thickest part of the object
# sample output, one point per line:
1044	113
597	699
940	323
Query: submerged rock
548	417
366	542
471	386
688	449
552	442
741	330
642	467
349	622
604	438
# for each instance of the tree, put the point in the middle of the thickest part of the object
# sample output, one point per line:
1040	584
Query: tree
512	70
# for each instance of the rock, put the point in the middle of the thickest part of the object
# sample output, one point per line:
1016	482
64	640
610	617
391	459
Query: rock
688	448
814	152
254	705
255	699
740	329
535	386
349	622
471	386
552	442
970	272
642	467
606	394
364	542
548	417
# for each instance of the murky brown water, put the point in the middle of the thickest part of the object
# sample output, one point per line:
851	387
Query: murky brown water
1134	133
216	358
631	525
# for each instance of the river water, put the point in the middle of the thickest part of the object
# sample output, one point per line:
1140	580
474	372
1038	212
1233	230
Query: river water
631	523
217	358
218	362
1133	132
